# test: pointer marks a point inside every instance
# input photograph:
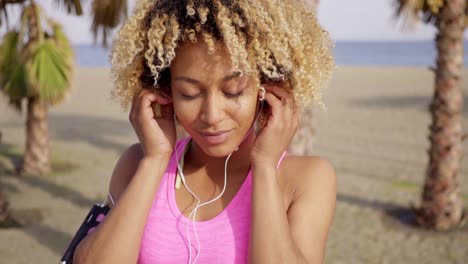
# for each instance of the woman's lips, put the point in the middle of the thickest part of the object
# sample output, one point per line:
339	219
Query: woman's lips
217	138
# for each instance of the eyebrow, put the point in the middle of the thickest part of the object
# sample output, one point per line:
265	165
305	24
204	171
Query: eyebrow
193	81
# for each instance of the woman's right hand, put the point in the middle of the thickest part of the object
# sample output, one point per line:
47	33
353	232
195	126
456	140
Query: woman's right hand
157	134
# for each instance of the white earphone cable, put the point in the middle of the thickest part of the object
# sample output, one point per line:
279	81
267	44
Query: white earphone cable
194	211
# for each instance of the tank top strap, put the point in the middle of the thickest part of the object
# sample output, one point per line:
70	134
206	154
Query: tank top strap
180	144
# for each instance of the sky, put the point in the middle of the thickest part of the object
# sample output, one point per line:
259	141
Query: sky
364	20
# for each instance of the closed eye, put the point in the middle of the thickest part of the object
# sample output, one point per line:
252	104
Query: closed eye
190	97
229	95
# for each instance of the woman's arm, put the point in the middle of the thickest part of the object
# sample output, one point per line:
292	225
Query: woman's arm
297	235
133	184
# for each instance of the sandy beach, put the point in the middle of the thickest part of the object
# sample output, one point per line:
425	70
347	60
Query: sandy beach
374	132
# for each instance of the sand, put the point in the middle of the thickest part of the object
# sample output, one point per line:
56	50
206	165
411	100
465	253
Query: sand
374	133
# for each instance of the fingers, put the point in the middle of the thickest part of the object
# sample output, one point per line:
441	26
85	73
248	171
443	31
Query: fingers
144	99
286	98
283	105
167	110
274	102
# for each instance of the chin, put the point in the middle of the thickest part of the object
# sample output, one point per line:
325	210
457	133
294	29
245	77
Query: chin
216	150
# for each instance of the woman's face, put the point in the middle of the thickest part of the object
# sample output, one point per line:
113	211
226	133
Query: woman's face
210	98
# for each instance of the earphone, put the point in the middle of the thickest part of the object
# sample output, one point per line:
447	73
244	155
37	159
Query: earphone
262	92
182	176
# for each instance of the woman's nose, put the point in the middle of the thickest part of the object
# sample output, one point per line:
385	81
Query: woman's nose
212	111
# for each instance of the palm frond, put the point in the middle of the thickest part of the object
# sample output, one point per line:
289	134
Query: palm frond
36	60
107	15
41	66
425	10
50	71
71	6
62	42
8	48
13	76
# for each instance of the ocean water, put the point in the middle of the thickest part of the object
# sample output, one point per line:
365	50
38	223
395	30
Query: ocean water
415	54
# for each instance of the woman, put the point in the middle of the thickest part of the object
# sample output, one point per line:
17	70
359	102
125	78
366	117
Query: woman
233	74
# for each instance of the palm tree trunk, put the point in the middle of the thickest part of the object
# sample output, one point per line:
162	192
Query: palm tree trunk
3	202
441	206
36	157
4	215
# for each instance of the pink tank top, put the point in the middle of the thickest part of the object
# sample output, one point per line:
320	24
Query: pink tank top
223	239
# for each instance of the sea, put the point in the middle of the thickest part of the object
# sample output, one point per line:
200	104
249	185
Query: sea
346	53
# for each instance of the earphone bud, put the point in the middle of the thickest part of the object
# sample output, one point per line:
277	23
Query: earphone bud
261	92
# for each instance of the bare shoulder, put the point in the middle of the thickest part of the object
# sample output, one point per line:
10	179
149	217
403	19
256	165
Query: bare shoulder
311	210
304	173
124	170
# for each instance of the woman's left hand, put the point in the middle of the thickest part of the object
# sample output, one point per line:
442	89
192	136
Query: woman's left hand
280	127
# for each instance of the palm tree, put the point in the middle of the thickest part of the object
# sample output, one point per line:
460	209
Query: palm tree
441	207
36	64
3	202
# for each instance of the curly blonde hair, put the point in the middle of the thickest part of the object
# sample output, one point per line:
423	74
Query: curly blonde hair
273	40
